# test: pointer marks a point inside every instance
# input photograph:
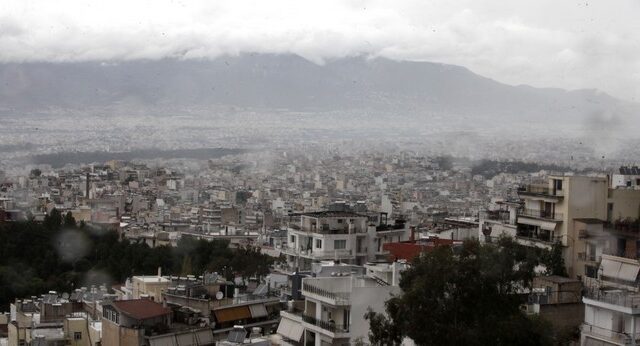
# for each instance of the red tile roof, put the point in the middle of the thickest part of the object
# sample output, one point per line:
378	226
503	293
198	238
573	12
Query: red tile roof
140	309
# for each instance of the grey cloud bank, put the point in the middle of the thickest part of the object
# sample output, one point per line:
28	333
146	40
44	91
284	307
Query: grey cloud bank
569	45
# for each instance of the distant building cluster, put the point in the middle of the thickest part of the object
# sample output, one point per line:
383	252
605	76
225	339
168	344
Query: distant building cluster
344	227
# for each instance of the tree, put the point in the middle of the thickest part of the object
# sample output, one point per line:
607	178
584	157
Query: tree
69	220
382	331
463	296
53	220
554	261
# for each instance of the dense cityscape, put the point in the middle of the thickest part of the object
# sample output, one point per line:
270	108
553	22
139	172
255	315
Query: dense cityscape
319	173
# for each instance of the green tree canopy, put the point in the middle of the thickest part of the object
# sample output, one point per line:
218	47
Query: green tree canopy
463	296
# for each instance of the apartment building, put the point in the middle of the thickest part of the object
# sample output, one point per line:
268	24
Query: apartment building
332	308
612	304
343	236
568	210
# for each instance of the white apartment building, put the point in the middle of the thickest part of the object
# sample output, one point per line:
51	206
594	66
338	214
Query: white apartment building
333	309
612	304
341	236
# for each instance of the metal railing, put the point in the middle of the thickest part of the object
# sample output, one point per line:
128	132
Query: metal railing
342	297
317	254
547	238
326	325
540	190
583	256
620	253
617	297
620	337
542	214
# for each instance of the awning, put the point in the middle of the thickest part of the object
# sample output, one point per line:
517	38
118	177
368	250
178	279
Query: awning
162	341
258	310
205	337
620	268
290	329
629	272
232	314
185	339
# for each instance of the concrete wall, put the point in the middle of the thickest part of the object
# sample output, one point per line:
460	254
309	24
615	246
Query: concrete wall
77	325
361	299
626	204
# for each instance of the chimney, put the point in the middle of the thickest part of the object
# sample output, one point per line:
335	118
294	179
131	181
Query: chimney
159	273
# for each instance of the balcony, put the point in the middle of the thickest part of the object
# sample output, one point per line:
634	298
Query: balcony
329	326
319	255
541	214
620	298
502	216
540	191
333	291
585	257
623	226
607	334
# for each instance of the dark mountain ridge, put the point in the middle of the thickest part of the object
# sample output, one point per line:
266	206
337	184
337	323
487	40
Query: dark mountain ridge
290	82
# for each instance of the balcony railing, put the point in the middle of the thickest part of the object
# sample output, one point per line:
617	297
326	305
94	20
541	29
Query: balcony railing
541	190
583	256
326	325
632	226
600	332
543	236
342	253
541	214
340	297
620	298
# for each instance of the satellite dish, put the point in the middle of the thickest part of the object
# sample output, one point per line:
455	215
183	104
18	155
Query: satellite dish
65	295
219	295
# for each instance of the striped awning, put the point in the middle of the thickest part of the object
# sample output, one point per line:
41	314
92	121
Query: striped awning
258	310
232	314
290	329
620	268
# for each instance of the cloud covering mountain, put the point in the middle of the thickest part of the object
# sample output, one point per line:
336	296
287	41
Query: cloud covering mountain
566	44
291	82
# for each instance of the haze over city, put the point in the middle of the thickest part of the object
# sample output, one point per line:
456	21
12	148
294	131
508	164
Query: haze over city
319	173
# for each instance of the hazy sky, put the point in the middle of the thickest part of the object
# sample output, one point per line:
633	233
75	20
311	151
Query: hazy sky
547	43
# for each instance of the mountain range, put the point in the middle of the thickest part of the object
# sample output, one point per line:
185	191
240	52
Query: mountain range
293	83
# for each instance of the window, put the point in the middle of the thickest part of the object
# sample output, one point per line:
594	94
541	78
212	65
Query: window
77	336
318	243
293	238
340	244
557	184
591	271
340	220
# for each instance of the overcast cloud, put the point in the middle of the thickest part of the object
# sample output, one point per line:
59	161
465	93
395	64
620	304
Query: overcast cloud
550	43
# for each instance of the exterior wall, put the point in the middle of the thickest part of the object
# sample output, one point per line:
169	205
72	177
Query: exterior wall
626	204
585	197
153	289
76	325
361	299
112	334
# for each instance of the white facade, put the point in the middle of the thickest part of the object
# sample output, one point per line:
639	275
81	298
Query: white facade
340	236
334	307
612	304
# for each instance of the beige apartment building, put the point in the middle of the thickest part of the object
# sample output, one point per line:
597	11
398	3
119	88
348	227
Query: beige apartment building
572	210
